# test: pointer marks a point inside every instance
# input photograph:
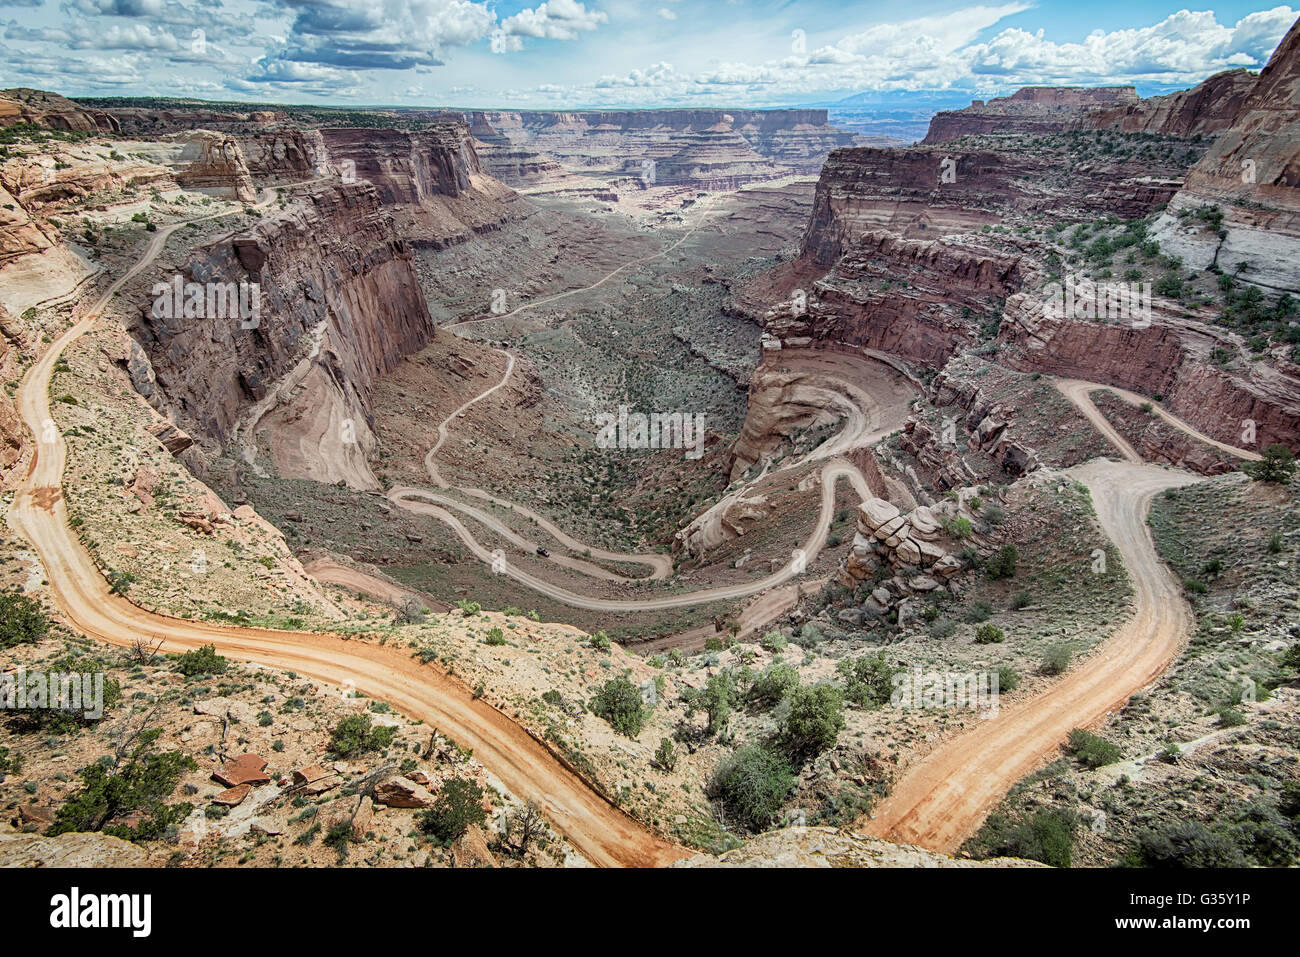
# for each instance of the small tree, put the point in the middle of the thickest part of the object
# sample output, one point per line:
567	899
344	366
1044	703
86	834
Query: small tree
666	755
22	620
201	661
1003	563
868	680
619	702
1277	465
459	806
752	785
815	720
354	735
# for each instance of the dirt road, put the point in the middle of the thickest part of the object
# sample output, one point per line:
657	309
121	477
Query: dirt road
943	799
597	829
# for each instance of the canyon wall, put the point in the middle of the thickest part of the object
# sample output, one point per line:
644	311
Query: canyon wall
1252	174
1207	109
1170	358
340	306
431	181
1033	109
41	108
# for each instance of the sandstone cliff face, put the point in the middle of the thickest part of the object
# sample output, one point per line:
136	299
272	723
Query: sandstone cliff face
431	181
1252	172
283	153
52	111
1029	110
916	299
214	163
924	191
340	306
1169	358
1207	109
726	147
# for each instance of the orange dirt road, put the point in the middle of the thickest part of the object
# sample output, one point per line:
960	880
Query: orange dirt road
598	830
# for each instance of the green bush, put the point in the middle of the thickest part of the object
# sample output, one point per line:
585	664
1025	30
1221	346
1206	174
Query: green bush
495	636
666	755
1183	844
989	634
715	699
773	641
1047	837
773	684
1277	465
1056	659
1008	679
868	680
22	620
1003	563
459	806
752	784
942	628
354	735
140	785
1092	750
201	661
619	702
815	720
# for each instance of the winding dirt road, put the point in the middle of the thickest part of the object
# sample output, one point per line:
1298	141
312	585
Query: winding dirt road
597	829
944	798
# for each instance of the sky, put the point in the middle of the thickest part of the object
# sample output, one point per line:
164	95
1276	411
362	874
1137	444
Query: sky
616	54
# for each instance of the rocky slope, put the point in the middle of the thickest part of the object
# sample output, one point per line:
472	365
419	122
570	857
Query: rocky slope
41	108
1252	175
1207	109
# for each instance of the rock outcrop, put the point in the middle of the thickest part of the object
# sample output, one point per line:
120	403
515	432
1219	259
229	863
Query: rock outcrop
1032	109
431	181
1252	175
1207	109
214	163
41	108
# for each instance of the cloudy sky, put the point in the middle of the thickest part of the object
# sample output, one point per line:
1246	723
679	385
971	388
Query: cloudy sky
615	53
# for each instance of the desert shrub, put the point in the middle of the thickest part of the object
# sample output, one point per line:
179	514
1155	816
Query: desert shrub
715	699
1008	678
989	634
495	636
814	721
201	661
751	785
111	790
979	611
1183	844
666	755
354	735
1002	564
868	680
619	702
1056	659
1277	465
942	628
1260	831
22	620
600	641
1231	718
772	684
773	641
1048	837
1091	749
458	806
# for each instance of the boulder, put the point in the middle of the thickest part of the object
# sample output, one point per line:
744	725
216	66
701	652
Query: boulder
402	792
875	512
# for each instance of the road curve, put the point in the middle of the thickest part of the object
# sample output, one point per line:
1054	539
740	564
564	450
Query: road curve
597	829
942	799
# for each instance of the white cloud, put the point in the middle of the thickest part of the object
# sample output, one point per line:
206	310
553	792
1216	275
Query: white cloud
554	20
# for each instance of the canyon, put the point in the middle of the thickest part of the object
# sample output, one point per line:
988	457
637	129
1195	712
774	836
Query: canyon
381	449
